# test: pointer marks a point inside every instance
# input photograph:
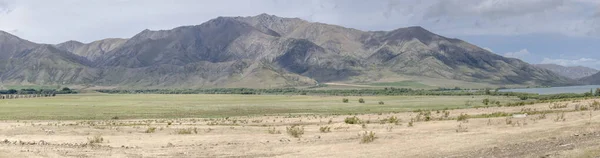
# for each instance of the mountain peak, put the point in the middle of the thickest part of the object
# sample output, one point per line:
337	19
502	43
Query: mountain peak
72	42
265	15
413	32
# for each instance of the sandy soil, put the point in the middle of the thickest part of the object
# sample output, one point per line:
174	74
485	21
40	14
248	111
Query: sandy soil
577	135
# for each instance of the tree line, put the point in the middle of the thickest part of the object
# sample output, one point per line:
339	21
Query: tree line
294	91
64	90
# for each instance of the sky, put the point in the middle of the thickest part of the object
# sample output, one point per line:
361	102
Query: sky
564	32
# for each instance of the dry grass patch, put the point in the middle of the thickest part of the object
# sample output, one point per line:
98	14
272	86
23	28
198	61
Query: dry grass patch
187	131
150	130
96	139
367	137
295	131
325	129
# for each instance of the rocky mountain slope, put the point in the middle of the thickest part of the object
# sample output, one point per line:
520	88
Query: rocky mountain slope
593	79
573	72
266	51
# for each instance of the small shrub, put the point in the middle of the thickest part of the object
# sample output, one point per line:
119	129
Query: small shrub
367	137
187	131
150	130
595	105
542	116
325	129
115	117
410	124
295	131
381	103
486	101
462	117
391	119
352	120
560	117
508	120
361	100
446	114
96	139
345	100
460	128
274	131
557	106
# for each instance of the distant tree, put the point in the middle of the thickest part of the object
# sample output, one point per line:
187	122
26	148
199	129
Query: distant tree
523	97
486	101
66	89
345	100
12	91
597	92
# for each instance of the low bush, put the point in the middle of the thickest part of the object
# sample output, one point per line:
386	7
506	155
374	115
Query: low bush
325	129
295	131
352	120
367	137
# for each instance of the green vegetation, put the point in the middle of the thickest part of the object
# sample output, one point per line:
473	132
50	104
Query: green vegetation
462	117
64	90
345	100
100	106
361	100
352	120
391	91
391	119
486	101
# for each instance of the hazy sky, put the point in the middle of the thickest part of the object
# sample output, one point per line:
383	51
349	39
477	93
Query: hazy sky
565	32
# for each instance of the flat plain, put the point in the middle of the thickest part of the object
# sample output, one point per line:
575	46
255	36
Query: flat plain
142	125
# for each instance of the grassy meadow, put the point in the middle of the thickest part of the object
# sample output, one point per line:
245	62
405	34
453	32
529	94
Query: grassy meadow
93	106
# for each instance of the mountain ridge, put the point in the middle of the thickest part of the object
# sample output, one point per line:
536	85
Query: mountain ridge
573	72
270	51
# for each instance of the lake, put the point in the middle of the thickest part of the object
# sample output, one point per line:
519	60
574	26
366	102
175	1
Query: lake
555	90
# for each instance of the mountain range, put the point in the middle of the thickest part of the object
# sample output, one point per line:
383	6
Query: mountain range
573	72
263	51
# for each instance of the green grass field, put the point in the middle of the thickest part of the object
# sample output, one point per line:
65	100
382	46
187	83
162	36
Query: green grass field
133	106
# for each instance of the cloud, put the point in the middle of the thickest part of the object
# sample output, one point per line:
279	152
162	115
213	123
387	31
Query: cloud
491	9
5	7
518	54
55	21
573	62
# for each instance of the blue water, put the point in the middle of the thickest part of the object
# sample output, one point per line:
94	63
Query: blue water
555	90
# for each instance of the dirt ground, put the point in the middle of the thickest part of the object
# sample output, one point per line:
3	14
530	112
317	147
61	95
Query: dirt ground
555	134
